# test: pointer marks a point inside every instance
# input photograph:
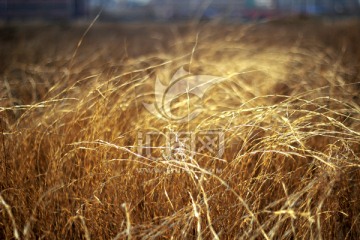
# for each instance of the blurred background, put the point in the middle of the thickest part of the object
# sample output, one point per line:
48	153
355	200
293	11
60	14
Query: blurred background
173	10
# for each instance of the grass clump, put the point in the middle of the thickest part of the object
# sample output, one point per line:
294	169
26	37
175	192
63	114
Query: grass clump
284	162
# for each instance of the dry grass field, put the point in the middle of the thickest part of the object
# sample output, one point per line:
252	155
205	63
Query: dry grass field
283	160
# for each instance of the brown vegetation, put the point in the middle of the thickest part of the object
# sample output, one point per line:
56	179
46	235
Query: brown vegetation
71	107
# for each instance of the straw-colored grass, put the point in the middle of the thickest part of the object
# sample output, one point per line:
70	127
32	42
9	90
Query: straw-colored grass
71	107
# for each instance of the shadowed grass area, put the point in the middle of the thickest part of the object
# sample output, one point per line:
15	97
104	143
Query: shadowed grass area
283	163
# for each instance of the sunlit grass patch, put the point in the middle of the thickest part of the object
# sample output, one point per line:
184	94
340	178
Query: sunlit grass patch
273	151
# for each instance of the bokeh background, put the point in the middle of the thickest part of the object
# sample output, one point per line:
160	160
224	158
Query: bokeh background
170	10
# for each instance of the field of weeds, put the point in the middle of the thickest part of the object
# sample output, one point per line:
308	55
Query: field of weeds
180	131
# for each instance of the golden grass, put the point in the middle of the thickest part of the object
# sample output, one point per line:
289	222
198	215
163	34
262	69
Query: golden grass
71	114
